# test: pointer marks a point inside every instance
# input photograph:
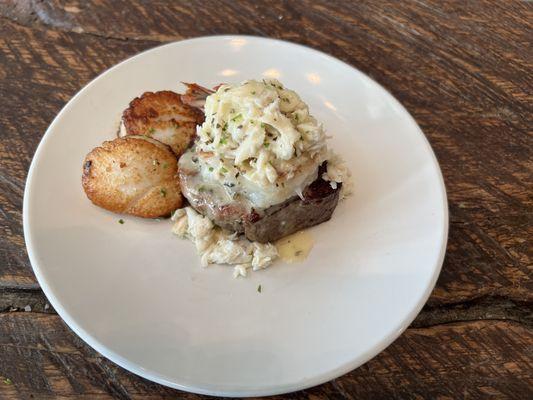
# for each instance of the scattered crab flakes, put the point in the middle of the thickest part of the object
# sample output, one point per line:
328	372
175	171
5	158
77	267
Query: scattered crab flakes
218	246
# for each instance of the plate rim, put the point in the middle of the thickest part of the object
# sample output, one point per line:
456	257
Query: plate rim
304	383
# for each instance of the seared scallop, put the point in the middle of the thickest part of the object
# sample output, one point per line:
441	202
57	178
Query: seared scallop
133	175
164	117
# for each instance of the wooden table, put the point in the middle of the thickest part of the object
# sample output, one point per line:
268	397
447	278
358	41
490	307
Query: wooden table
462	68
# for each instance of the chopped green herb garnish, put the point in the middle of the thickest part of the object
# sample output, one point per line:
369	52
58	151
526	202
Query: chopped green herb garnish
237	118
8	381
253	92
223	140
259	288
151	130
121	221
163	192
266	144
223	170
262	125
165	165
201	189
211	169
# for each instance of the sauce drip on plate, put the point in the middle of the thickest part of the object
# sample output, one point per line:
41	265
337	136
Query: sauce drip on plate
296	247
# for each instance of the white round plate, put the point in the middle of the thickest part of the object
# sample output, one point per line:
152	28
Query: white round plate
138	295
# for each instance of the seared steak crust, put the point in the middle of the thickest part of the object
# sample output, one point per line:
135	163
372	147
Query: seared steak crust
319	201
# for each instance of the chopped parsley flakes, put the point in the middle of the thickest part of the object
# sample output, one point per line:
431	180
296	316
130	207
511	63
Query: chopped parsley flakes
237	118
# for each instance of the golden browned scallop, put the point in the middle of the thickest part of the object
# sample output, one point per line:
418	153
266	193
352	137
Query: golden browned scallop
164	117
133	175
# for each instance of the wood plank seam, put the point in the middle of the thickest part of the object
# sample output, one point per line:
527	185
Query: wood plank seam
44	26
482	308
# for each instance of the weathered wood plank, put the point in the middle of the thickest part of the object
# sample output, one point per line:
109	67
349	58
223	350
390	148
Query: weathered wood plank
34	300
457	68
467	360
39	72
15	299
461	68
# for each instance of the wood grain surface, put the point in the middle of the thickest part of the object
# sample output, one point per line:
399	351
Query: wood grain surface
464	71
466	360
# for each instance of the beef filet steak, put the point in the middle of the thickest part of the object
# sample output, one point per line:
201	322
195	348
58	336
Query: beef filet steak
262	225
319	201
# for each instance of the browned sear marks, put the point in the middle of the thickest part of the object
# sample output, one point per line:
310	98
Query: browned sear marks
133	175
164	117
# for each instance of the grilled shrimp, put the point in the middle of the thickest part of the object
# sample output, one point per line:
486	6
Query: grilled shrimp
195	95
